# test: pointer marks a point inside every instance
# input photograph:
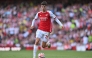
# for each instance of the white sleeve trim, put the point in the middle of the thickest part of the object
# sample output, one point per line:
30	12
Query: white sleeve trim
36	16
33	21
51	14
58	22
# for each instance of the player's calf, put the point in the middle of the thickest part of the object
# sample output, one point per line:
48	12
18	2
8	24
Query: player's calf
48	44
43	46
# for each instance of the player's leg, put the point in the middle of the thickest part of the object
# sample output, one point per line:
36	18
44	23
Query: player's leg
38	38
45	42
35	47
41	46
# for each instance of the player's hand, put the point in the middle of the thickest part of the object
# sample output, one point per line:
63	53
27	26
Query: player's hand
31	27
61	27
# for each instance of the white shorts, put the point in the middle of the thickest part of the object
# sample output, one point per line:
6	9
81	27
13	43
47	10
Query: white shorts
42	35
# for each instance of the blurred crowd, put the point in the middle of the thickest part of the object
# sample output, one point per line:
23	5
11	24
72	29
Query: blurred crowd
15	22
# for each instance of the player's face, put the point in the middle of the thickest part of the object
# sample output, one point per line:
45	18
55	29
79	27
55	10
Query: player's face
43	7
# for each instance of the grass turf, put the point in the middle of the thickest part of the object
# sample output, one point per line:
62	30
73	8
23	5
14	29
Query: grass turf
48	53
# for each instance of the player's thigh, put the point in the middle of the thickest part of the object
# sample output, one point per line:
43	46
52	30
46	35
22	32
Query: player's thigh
45	36
39	35
37	41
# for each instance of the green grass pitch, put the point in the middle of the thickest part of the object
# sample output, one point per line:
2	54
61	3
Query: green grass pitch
48	54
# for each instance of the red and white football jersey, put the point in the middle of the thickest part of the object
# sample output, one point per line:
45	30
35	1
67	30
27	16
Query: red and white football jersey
45	20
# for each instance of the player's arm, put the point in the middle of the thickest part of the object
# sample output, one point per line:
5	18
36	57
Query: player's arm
56	19
33	21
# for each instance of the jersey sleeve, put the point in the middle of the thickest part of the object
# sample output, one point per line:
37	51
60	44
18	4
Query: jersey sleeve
52	15
56	19
33	21
36	16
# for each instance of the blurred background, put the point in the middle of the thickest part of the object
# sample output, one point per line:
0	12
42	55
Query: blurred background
16	17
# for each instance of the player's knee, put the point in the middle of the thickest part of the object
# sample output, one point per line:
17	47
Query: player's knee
37	41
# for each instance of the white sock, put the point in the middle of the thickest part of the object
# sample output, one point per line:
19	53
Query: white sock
34	51
41	46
